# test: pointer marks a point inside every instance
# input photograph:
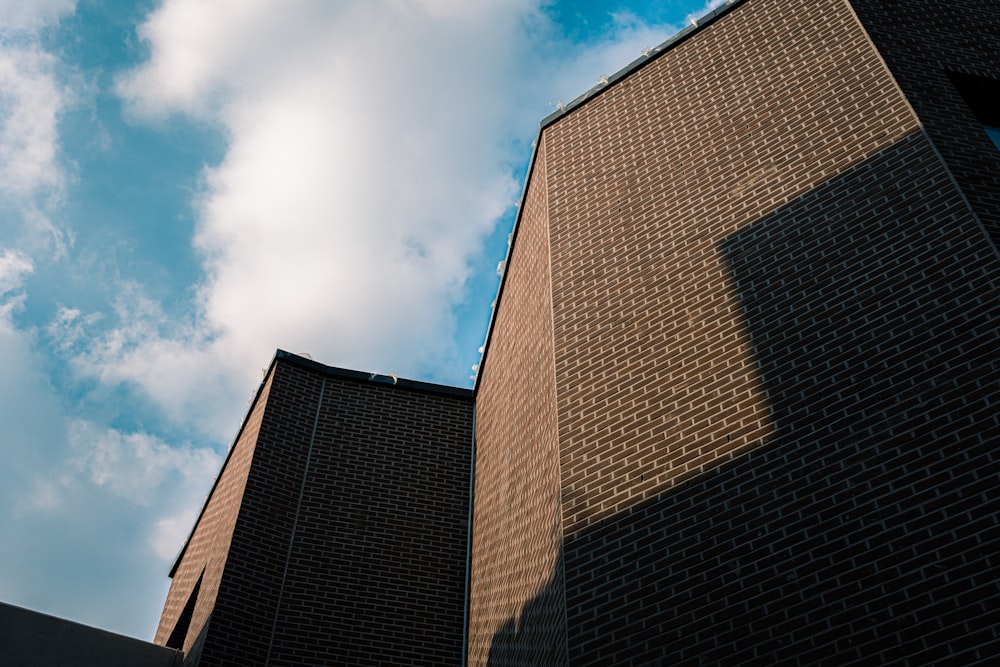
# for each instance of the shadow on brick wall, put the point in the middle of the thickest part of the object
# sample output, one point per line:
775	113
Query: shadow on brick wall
538	635
867	526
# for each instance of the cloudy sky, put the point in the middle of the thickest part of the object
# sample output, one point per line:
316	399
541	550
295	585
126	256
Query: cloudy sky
187	185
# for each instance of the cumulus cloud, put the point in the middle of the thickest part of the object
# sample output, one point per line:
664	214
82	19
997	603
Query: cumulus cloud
371	150
92	515
164	482
95	515
369	155
134	466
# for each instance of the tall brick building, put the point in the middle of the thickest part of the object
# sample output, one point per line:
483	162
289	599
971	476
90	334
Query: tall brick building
739	401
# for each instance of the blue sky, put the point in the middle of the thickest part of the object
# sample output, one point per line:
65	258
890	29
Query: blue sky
187	185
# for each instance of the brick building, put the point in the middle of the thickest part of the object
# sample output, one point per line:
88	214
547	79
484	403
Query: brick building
336	532
738	402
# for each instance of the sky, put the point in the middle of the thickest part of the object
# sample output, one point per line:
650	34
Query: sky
188	185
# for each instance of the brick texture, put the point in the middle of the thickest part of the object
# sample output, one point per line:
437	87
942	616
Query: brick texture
204	555
775	319
923	43
516	595
739	403
351	542
656	377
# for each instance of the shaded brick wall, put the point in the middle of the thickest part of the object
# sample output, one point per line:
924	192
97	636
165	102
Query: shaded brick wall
244	613
775	322
377	572
204	556
516	595
352	536
922	43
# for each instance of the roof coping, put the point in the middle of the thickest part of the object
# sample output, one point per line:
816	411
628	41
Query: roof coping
378	378
647	57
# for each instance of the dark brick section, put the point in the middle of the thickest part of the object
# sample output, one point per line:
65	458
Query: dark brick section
244	613
866	529
923	42
377	571
351	542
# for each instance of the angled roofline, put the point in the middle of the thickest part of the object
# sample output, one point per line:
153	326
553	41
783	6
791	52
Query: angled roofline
379	378
332	371
696	26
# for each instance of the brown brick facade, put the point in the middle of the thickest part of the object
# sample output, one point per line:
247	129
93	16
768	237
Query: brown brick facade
516	595
775	324
656	378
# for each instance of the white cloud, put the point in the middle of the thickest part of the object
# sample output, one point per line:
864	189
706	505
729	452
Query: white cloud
32	179
173	364
68	329
94	515
369	155
135	466
29	16
370	152
165	483
14	266
28	136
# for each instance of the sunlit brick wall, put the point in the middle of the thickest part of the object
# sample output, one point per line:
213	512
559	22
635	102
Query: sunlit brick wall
516	595
656	374
775	324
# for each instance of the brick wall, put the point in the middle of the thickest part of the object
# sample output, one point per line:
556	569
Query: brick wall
739	403
775	320
516	594
656	377
351	542
922	43
204	556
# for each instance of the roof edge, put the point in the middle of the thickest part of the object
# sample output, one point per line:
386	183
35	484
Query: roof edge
647	57
333	371
637	64
378	378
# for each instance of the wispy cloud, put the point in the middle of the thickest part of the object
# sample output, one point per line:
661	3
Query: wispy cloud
20	17
14	266
32	178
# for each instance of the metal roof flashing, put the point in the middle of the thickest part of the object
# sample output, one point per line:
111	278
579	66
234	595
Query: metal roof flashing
647	57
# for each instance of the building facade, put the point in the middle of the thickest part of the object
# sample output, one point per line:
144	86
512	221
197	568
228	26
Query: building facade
336	532
739	399
762	273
